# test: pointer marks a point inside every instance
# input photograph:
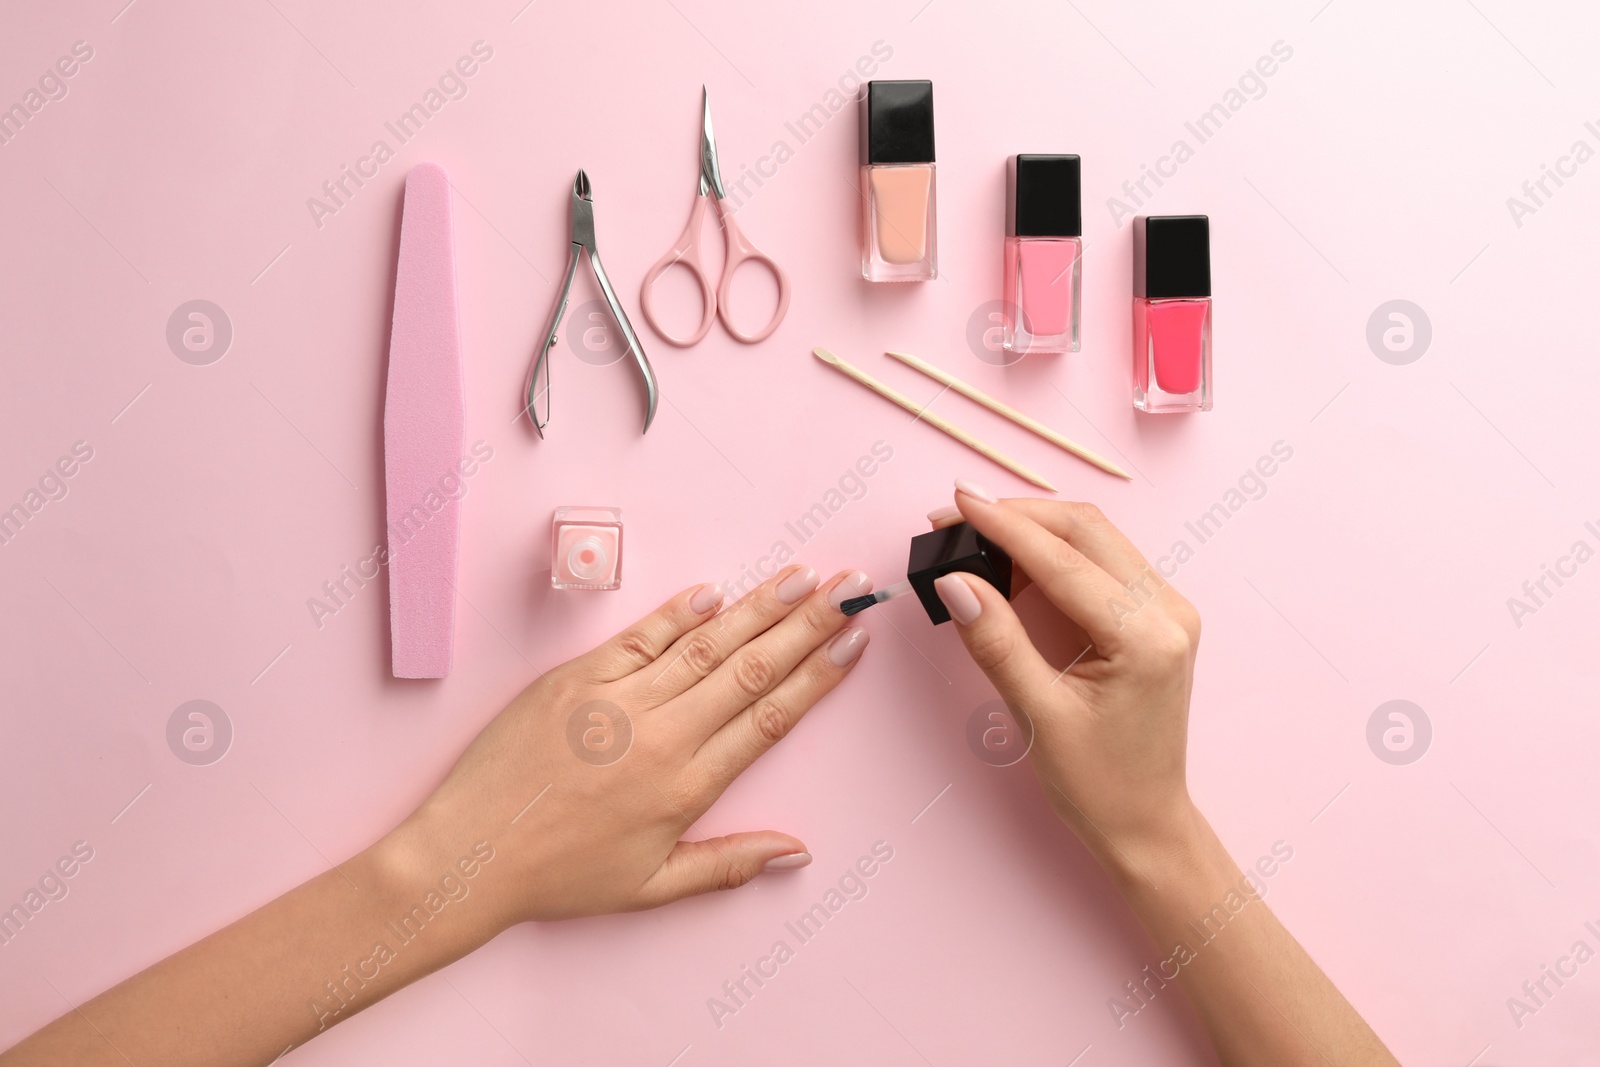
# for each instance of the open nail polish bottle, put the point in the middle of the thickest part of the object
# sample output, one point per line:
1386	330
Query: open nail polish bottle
586	548
898	235
1172	313
1043	254
935	554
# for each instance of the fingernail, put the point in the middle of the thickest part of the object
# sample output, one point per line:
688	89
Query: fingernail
846	648
705	598
949	511
856	583
792	862
958	597
797	585
976	491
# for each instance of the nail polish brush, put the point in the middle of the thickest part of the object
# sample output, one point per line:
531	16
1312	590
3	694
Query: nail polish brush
857	604
935	554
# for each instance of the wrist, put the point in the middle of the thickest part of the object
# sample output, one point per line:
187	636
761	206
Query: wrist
1179	846
427	880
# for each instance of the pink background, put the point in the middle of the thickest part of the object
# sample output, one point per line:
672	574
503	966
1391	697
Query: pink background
1377	565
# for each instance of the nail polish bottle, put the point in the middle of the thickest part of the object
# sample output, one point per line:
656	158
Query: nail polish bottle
586	548
1043	254
1172	313
898	235
935	554
954	548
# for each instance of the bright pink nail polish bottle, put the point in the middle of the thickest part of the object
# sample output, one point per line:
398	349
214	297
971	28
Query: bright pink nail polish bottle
1172	313
1043	254
586	548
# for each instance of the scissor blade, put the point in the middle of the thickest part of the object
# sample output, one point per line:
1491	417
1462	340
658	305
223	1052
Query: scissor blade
710	172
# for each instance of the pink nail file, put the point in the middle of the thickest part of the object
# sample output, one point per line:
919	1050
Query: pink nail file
423	424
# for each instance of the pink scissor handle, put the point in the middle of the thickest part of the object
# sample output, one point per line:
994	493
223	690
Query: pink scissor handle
686	253
740	252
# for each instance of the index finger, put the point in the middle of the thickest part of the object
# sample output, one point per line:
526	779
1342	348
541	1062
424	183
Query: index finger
1073	582
1081	525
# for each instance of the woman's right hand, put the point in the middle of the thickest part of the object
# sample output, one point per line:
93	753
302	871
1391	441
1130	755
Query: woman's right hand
1111	726
1110	730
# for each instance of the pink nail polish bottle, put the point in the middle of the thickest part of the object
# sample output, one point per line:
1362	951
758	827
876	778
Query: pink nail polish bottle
1043	254
586	548
1172	313
898	234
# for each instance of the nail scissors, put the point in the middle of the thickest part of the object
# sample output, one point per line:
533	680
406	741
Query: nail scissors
583	241
714	299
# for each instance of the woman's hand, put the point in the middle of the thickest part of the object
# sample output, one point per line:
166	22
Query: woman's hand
584	784
1110	732
571	802
1111	725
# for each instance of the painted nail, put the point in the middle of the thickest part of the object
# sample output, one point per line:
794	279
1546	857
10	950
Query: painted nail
797	585
958	597
976	491
856	583
705	598
949	511
846	648
792	862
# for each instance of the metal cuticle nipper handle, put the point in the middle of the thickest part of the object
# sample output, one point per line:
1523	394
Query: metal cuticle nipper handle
538	386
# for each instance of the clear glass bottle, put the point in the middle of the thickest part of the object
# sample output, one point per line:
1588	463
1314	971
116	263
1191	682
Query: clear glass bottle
1043	254
586	548
1172	313
899	231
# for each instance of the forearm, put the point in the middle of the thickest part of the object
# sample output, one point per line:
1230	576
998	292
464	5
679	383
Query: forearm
1261	996
279	976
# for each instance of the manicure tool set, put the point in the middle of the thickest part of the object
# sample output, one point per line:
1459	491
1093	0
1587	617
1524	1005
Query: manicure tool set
1041	259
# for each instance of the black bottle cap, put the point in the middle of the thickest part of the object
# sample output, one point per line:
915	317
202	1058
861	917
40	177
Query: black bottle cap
1171	256
1044	196
897	122
954	548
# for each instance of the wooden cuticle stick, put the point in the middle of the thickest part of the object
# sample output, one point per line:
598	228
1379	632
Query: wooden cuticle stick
1003	409
937	422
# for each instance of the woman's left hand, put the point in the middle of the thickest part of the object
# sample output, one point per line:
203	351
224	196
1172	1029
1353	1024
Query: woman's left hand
584	784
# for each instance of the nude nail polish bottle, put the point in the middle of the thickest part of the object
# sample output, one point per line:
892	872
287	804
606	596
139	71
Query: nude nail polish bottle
898	233
586	548
1043	254
1172	313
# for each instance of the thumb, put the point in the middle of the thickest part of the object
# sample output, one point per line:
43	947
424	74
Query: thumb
694	867
994	637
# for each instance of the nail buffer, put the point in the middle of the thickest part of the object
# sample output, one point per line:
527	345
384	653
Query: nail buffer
423	426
